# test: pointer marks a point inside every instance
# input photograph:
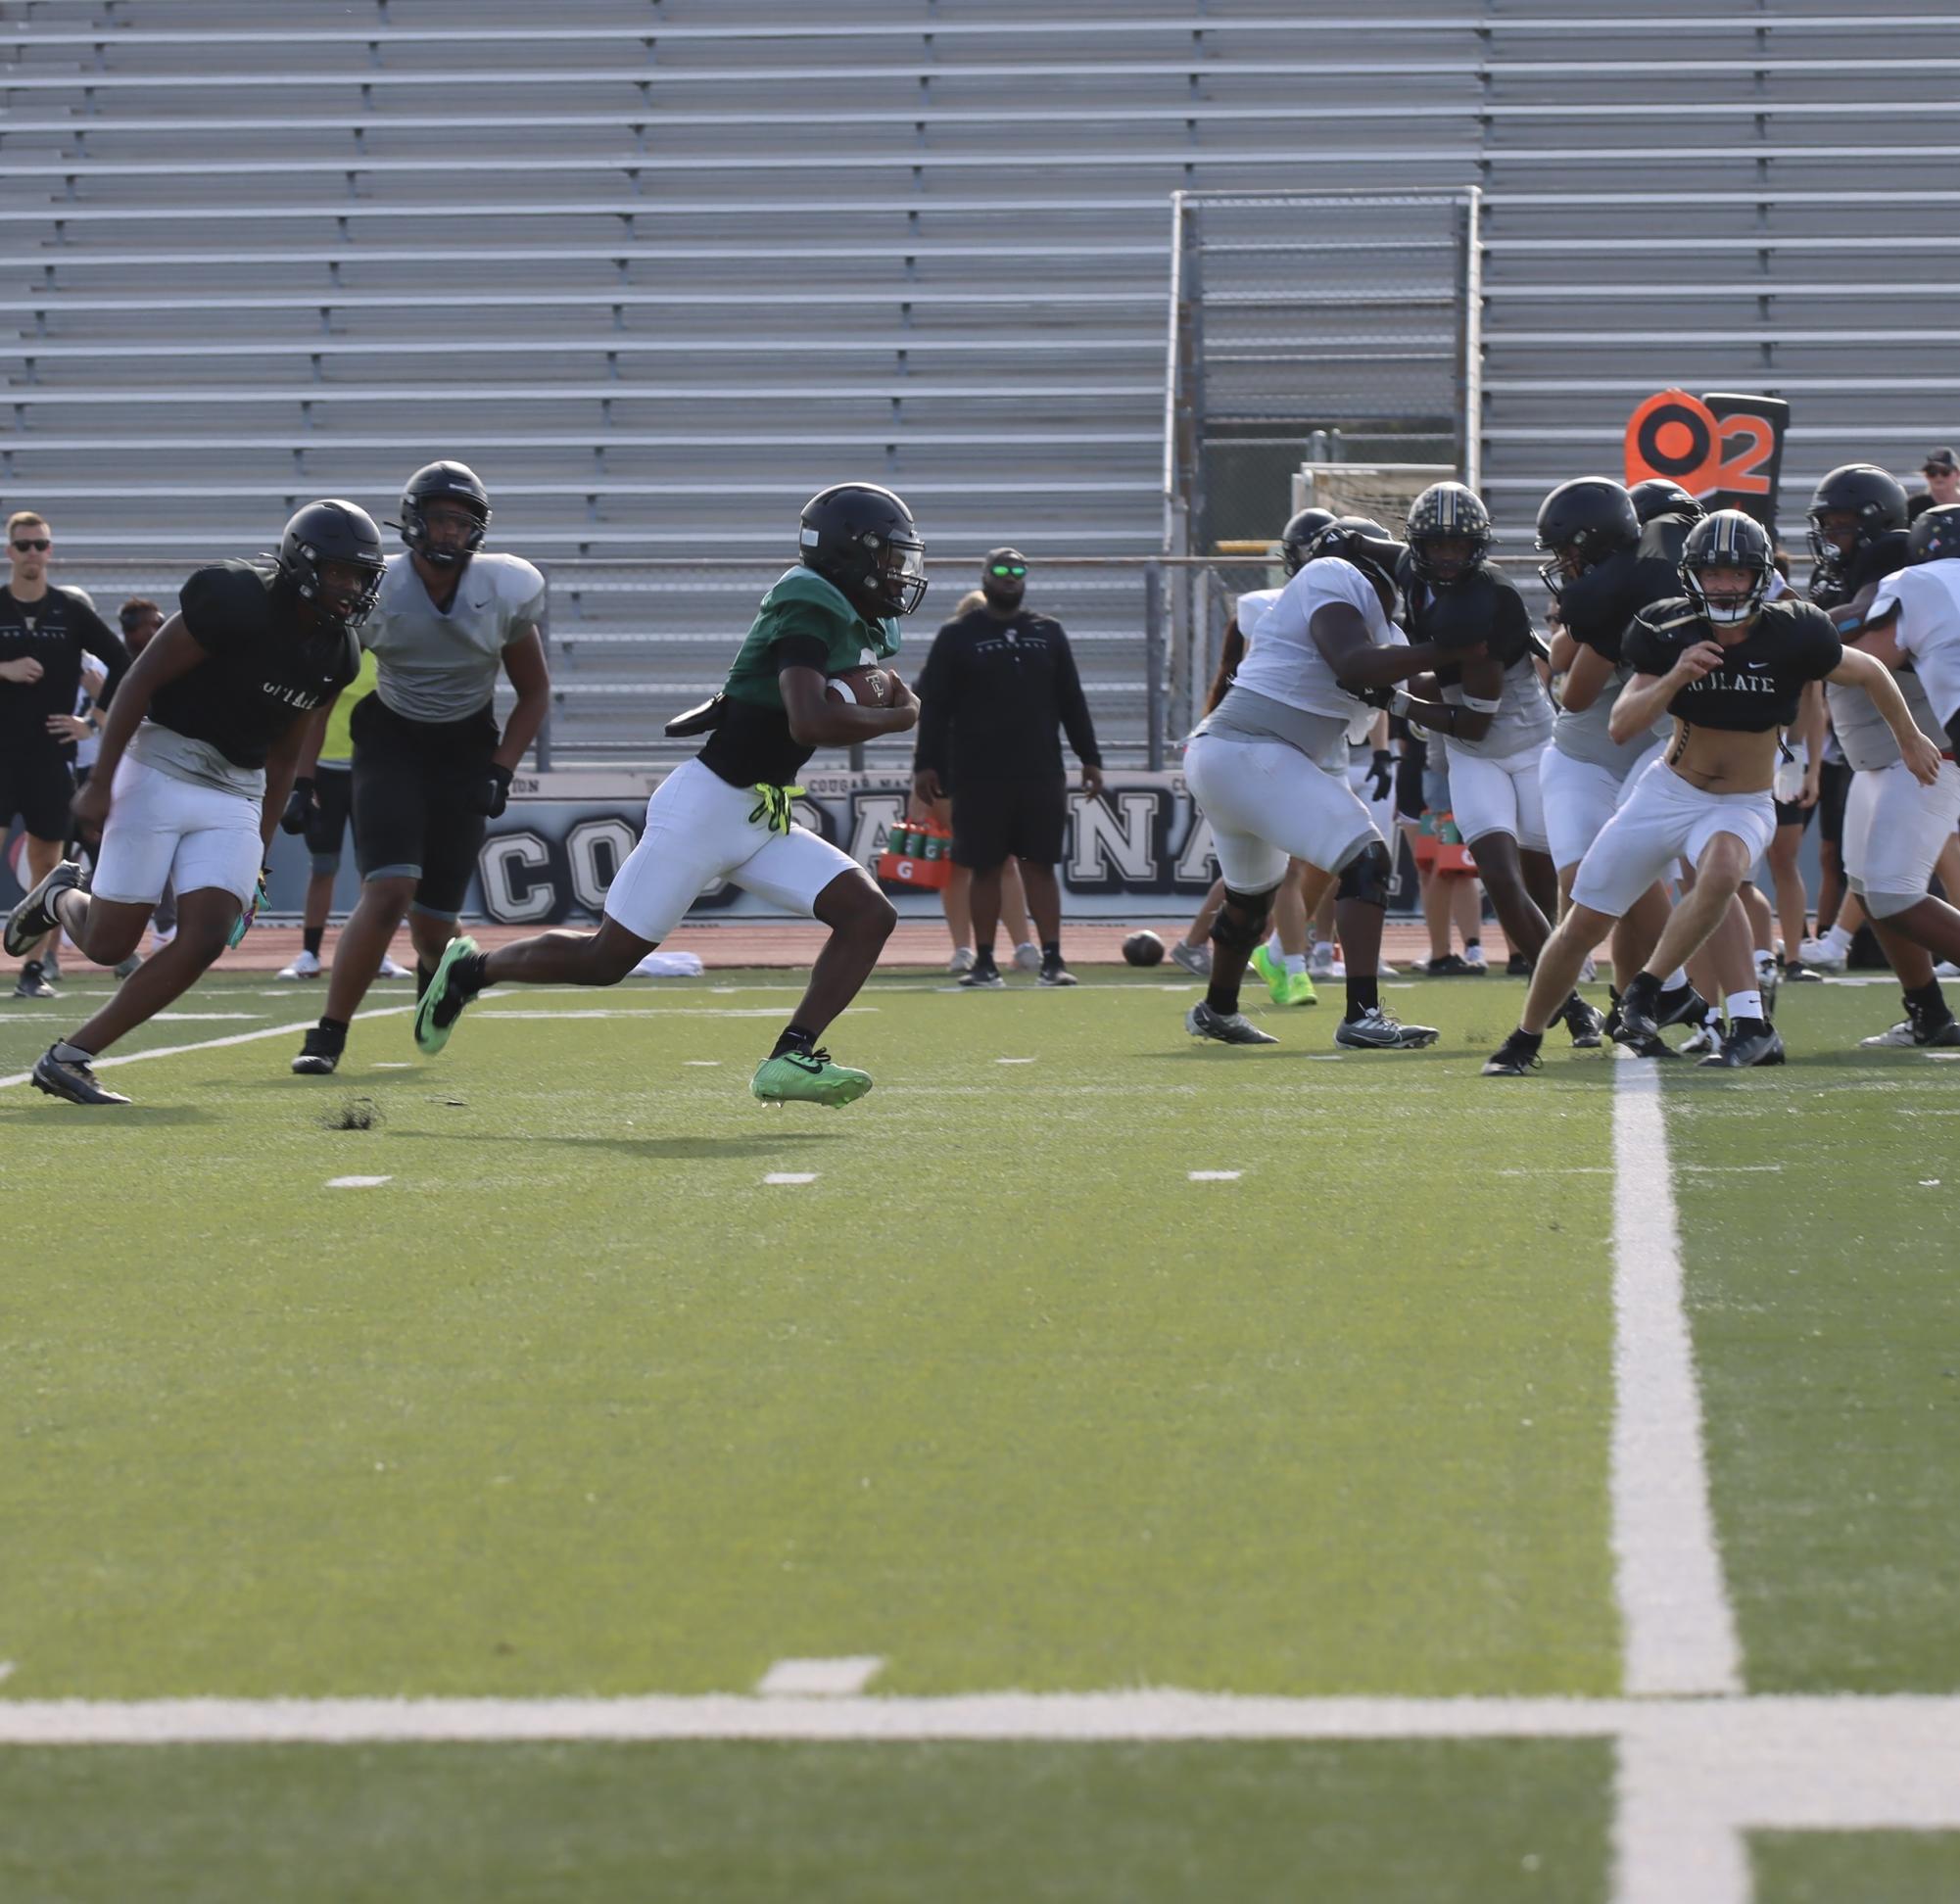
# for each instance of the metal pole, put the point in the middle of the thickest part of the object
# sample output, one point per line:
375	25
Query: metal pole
1471	278
541	749
1153	666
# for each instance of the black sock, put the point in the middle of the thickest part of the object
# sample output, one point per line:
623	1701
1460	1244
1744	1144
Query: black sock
1929	1001
983	959
311	939
423	973
1051	951
1365	994
338	1026
1222	998
794	1038
1472	944
470	973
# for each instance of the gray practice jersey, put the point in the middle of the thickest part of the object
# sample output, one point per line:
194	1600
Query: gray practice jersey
1523	718
1581	733
443	666
1861	729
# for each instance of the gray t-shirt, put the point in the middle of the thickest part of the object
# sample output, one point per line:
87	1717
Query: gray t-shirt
1580	734
443	666
1245	715
1861	729
1523	718
185	758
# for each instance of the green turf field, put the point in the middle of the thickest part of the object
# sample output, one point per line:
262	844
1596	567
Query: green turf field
577	1402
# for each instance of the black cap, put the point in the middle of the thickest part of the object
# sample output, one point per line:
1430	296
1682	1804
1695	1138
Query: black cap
994	555
1940	459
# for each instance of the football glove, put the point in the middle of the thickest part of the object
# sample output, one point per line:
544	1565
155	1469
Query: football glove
1381	774
243	923
298	806
489	793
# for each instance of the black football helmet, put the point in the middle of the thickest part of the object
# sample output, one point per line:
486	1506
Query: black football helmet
1447	513
1300	529
1730	539
443	482
1874	495
863	539
333	531
1580	523
1658	497
1936	536
1365	542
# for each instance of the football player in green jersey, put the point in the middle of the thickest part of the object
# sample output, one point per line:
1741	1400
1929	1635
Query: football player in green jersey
726	814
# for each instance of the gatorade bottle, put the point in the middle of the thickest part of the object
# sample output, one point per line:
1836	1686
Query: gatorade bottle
933	848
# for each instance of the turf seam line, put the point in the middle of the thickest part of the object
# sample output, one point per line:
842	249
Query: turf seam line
1680	1630
215	1044
820	1678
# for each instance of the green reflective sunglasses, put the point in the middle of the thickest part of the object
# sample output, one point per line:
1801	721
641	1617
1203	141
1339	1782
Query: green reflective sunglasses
1003	568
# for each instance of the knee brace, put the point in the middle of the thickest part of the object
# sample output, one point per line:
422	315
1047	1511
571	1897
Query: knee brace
1368	876
325	865
1240	926
1887	905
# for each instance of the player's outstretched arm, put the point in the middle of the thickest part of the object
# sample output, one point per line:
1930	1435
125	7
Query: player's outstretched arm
1861	670
1342	637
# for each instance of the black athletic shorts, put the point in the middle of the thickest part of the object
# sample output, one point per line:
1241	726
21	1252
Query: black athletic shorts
1790	814
1025	818
410	819
333	808
37	784
1833	789
1409	771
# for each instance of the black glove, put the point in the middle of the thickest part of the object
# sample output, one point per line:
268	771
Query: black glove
298	806
1382	696
490	793
1381	774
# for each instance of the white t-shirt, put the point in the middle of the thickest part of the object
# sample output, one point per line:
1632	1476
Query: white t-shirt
1253	608
1284	665
1928	629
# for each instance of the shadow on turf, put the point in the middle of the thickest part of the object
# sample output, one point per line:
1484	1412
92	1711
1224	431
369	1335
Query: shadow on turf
678	1149
27	1111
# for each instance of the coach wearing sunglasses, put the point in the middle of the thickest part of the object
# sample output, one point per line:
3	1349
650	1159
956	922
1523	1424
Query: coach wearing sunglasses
44	631
998	690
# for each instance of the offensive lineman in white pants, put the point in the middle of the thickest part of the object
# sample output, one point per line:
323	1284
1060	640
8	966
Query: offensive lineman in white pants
1731	669
1895	829
1268	769
1493	713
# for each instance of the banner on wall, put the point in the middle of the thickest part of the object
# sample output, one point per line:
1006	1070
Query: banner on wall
1724	448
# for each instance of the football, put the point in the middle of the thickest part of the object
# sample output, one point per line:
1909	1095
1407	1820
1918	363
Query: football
866	686
1143	949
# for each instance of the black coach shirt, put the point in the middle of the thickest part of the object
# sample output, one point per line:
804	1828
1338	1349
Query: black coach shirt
264	671
1762	677
54	630
993	695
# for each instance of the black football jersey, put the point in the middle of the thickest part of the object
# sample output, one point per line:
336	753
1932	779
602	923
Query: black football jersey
1761	679
1484	606
264	669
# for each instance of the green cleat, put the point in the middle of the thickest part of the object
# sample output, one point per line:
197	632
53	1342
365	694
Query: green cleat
1286	988
808	1077
441	1004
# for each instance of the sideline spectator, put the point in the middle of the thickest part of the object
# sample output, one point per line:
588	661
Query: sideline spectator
1943	484
956	895
44	631
999	687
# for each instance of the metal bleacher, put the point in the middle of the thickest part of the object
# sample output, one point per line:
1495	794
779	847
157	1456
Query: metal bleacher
660	268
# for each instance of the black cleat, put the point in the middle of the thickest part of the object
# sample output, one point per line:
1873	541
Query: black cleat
72	1078
1517	966
1515	1057
1585	1023
321	1052
1797	972
1750	1042
1055	973
33	981
984	977
1636	1010
1451	965
1681	1005
31	919
1376	1030
1233	1029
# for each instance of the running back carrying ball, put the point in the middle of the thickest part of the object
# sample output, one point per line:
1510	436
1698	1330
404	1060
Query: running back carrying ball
865	686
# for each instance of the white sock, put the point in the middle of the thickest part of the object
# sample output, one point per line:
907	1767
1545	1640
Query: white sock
1675	980
1837	939
1296	962
1274	948
1745	1005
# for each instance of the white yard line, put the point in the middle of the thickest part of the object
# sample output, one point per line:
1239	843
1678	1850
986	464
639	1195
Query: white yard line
790	1176
820	1678
356	1182
214	1045
1680	1630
